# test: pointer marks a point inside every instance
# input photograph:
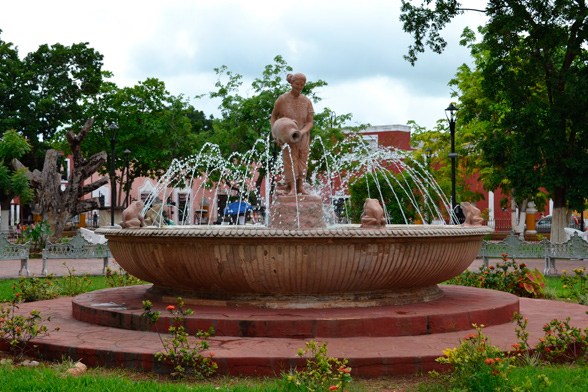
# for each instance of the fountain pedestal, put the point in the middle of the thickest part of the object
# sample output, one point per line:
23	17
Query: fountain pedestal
297	212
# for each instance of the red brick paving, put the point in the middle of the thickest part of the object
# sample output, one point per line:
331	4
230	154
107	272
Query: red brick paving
374	356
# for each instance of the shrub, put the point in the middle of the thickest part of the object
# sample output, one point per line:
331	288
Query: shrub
507	276
322	373
562	342
476	365
179	353
121	278
73	285
18	329
576	285
37	234
35	289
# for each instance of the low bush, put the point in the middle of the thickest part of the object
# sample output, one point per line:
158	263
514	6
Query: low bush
507	276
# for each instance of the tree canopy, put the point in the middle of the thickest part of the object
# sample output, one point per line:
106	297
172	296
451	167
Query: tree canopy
531	70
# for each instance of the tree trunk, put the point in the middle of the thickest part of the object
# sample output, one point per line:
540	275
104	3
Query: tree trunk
518	216
4	217
56	205
559	219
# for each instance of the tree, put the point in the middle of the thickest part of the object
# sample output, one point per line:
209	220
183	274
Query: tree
502	147
432	151
153	124
59	206
13	183
10	94
536	66
52	84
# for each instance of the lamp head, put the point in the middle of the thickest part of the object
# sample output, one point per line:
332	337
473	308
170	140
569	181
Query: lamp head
450	112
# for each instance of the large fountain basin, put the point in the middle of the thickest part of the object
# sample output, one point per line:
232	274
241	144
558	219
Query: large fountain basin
330	267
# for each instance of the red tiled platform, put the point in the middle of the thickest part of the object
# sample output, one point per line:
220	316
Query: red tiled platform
456	311
369	356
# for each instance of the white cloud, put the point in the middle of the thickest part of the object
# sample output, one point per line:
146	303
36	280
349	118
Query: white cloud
356	47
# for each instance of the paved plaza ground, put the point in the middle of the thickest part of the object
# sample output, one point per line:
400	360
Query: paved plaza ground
59	267
91	336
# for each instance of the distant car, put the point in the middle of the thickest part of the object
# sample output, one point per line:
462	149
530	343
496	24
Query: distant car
543	225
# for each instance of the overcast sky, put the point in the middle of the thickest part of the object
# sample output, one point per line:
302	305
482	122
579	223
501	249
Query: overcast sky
355	46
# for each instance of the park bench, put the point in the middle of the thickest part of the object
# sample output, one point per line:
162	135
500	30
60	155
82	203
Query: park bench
574	248
76	248
514	247
10	251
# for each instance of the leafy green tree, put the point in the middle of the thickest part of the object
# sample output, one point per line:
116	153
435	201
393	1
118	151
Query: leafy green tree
53	84
502	152
12	182
10	94
535	67
431	150
152	124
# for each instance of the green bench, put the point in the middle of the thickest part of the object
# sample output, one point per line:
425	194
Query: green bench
76	248
514	247
10	251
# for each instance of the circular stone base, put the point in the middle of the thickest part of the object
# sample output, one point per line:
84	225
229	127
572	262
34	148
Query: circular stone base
457	310
363	300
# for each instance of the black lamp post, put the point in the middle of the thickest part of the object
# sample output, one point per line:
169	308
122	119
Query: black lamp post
450	113
113	128
127	153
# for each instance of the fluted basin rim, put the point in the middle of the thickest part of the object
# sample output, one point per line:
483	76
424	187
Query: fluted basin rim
344	231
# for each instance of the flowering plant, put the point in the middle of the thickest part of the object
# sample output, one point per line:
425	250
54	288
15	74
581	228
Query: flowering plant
180	352
321	372
476	364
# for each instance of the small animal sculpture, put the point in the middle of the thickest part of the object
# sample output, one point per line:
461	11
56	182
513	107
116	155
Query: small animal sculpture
473	215
285	130
372	215
132	217
154	215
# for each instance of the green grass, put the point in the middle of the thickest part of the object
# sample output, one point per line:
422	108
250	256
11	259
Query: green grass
562	378
6	292
54	378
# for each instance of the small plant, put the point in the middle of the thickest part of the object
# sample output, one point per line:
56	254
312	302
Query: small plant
576	285
121	278
19	330
322	373
35	289
507	276
476	365
562	342
37	234
184	357
521	350
73	285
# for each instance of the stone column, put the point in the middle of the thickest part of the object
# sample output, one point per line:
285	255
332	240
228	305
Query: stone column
530	221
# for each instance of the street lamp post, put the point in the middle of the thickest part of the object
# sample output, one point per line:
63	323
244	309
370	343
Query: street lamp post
113	128
450	113
127	153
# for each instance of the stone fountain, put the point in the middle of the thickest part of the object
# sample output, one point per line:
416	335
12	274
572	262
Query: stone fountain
265	287
371	292
341	266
